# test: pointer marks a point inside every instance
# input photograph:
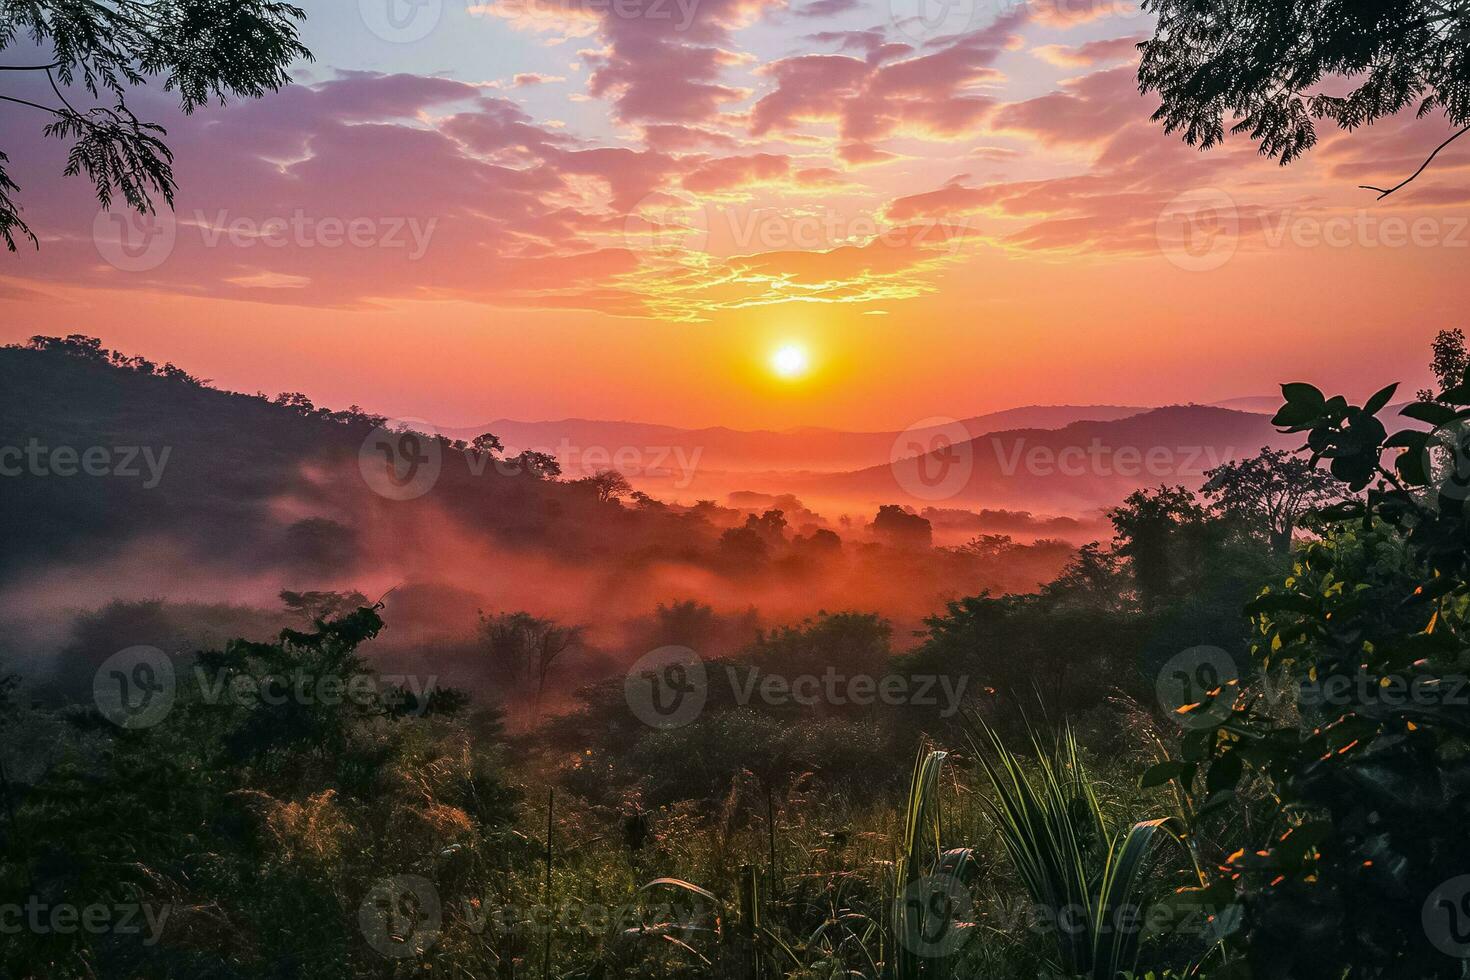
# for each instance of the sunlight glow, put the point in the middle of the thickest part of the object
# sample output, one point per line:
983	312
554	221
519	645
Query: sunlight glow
790	361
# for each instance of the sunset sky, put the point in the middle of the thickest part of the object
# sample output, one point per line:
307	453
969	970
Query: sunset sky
626	208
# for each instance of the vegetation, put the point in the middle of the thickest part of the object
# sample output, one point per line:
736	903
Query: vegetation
1267	65
202	51
1053	809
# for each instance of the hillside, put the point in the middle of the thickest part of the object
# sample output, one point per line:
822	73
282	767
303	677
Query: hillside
238	482
1075	469
725	450
202	495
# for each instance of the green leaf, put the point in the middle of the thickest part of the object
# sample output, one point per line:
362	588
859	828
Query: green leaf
1373	405
1410	439
1429	412
1163	772
1301	393
1411	469
1458	395
1224	773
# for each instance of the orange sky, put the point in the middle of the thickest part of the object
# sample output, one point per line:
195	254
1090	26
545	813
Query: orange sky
949	223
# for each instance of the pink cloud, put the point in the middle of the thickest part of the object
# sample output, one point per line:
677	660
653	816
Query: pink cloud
732	172
1090	54
927	94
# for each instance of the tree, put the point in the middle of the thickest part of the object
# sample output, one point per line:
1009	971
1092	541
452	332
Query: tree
1449	361
1268	493
820	543
770	527
989	547
902	529
104	48
523	648
1160	532
606	485
1365	782
322	606
743	547
1262	62
542	466
487	443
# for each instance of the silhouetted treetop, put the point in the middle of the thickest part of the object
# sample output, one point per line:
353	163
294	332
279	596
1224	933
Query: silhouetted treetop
1262	64
102	48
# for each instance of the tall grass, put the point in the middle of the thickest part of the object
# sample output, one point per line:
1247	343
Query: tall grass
1091	886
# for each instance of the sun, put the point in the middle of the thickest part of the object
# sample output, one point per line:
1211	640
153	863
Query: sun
790	361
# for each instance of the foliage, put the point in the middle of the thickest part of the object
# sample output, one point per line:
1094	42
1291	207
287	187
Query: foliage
1052	826
202	51
1257	63
254	825
1268	493
901	528
1369	778
1448	362
1163	533
522	650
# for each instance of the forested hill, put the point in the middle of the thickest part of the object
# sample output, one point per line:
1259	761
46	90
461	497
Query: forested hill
103	450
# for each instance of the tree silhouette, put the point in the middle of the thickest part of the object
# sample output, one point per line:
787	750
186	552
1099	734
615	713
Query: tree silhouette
202	51
487	443
1258	61
1159	531
901	529
1269	492
605	485
1449	361
523	649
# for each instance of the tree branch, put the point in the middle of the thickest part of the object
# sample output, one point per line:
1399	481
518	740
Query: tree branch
33	105
1382	193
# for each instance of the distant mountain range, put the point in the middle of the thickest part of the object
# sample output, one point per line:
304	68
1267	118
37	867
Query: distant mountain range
727	450
1073	469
